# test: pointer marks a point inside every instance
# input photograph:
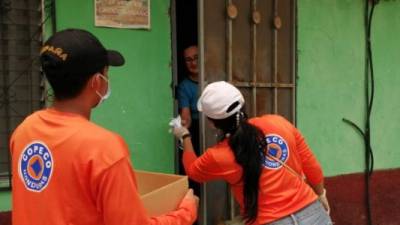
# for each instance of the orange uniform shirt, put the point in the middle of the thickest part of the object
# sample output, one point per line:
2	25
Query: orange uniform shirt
281	193
68	170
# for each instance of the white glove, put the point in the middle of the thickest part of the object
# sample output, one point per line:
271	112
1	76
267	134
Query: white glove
179	132
324	201
176	122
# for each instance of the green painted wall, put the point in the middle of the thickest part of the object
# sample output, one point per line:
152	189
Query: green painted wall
141	102
331	82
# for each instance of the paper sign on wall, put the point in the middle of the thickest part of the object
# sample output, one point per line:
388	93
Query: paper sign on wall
122	13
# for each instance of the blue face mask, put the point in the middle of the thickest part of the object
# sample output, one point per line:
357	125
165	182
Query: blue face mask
108	93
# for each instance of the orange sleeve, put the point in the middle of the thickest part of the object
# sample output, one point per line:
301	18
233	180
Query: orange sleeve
206	167
119	202
309	162
200	169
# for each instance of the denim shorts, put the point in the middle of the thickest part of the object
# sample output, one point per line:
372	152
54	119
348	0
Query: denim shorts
313	214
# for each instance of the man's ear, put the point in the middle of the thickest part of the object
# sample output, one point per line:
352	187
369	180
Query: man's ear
94	81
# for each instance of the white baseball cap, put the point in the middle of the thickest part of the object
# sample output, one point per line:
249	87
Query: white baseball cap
220	100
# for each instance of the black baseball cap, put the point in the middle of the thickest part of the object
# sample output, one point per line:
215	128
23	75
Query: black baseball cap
77	52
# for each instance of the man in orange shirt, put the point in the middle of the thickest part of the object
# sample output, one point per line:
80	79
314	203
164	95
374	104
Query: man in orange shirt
68	170
265	160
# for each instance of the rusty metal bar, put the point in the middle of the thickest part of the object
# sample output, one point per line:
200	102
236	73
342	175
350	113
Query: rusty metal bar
229	44
254	55
202	123
30	72
4	102
275	58
229	33
262	85
43	84
293	5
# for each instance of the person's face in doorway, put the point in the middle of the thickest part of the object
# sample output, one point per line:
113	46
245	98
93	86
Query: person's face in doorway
191	55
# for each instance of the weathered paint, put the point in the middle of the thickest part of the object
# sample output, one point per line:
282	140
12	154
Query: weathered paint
5	218
347	200
331	54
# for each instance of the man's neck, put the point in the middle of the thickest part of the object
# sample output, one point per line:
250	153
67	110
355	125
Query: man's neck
194	77
75	106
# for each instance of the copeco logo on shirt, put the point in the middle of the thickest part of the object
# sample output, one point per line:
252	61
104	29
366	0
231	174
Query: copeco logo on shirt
35	166
276	152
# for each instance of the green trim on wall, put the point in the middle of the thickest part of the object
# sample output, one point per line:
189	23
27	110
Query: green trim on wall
331	54
5	201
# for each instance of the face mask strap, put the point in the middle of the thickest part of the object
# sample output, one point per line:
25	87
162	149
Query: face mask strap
108	93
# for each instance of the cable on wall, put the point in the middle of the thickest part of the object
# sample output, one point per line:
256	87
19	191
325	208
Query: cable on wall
369	97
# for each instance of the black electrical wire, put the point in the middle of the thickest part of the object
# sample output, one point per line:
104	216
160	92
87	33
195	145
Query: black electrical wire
370	93
371	75
369	96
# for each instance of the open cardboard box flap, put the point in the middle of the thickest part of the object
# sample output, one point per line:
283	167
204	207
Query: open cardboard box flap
160	193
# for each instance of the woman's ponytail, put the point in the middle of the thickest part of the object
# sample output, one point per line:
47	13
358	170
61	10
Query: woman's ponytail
245	140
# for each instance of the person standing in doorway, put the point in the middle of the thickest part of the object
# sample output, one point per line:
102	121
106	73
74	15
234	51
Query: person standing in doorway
187	94
188	91
67	169
272	172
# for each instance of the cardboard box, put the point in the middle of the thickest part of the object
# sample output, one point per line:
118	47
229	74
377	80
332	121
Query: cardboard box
161	193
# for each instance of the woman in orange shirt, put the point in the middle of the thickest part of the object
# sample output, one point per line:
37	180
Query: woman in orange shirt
273	174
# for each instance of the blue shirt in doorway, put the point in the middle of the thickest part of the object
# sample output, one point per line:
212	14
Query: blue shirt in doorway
187	96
